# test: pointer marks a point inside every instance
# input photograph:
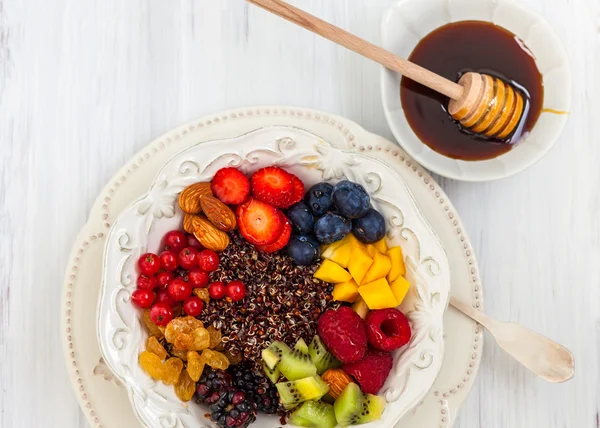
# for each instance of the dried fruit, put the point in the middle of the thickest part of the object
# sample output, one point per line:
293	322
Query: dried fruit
188	223
183	341
152	364
181	325
209	235
195	365
215	359
337	379
185	386
200	339
203	294
234	358
218	213
215	336
171	370
190	197
179	353
152	328
154	346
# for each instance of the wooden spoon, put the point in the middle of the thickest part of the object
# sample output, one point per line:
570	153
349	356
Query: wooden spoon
484	104
542	356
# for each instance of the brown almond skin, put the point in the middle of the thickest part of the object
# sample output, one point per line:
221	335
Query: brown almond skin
337	379
209	235
191	196
218	213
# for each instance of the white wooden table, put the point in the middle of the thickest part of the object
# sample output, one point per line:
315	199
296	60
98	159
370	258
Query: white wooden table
85	84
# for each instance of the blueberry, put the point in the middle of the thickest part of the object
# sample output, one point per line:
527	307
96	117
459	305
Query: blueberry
304	249
351	199
332	227
301	217
370	228
318	198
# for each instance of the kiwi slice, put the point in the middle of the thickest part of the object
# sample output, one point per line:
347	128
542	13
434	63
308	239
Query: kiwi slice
353	407
321	357
292	393
297	364
273	375
314	414
272	355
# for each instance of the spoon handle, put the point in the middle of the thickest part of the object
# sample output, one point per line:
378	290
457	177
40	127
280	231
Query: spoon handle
362	47
542	356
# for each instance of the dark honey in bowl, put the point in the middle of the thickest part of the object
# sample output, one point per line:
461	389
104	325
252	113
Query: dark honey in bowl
451	51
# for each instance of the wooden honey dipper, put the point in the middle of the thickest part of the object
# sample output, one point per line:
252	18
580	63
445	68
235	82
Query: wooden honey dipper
481	103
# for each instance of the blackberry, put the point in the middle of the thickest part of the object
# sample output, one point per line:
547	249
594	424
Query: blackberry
258	388
212	381
231	408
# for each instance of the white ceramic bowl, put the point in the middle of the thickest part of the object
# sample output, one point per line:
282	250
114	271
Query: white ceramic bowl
122	336
408	21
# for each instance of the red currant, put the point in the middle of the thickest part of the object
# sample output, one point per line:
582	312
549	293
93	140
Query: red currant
175	241
193	306
168	260
188	258
179	290
193	242
161	314
208	260
163	296
146	282
217	290
163	278
198	278
149	264
142	298
236	290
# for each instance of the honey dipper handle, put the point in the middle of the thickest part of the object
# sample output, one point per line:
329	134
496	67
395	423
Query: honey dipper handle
362	47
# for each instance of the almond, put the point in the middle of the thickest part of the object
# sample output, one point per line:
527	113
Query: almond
337	379
218	213
190	197
188	223
209	235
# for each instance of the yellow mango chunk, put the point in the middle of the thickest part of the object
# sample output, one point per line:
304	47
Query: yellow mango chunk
341	255
372	250
378	295
400	288
332	272
327	250
360	307
398	268
345	291
359	263
379	269
381	246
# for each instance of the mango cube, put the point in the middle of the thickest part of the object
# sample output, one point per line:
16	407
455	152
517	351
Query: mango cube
381	246
360	307
372	250
332	272
398	268
345	291
359	263
400	288
379	269
378	295
327	250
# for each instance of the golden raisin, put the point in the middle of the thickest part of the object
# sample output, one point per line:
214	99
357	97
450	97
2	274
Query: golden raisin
152	328
181	325
171	371
152	364
215	359
183	341
215	336
185	386
154	346
195	365
201	339
179	353
203	294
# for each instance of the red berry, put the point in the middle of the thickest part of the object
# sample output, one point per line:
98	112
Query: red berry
297	193
273	185
217	290
193	306
188	258
259	223
149	264
344	333
163	278
387	329
198	278
168	260
230	186
163	296
283	239
142	298
146	282
161	314
372	371
236	290
193	242
175	241
179	290
208	260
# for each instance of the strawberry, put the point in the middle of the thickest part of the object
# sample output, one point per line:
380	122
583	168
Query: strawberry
372	371
259	223
297	192
344	333
230	186
283	238
273	185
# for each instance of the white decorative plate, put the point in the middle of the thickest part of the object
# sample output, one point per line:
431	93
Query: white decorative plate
408	21
141	226
104	401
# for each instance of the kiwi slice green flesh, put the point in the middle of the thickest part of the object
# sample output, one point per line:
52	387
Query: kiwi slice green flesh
321	357
272	355
301	346
296	364
314	414
295	392
353	407
273	375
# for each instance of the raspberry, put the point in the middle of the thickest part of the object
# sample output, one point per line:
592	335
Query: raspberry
372	371
387	329
344	333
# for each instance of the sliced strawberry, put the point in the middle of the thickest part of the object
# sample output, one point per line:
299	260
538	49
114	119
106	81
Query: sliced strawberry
283	238
259	223
273	185
297	192
230	186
